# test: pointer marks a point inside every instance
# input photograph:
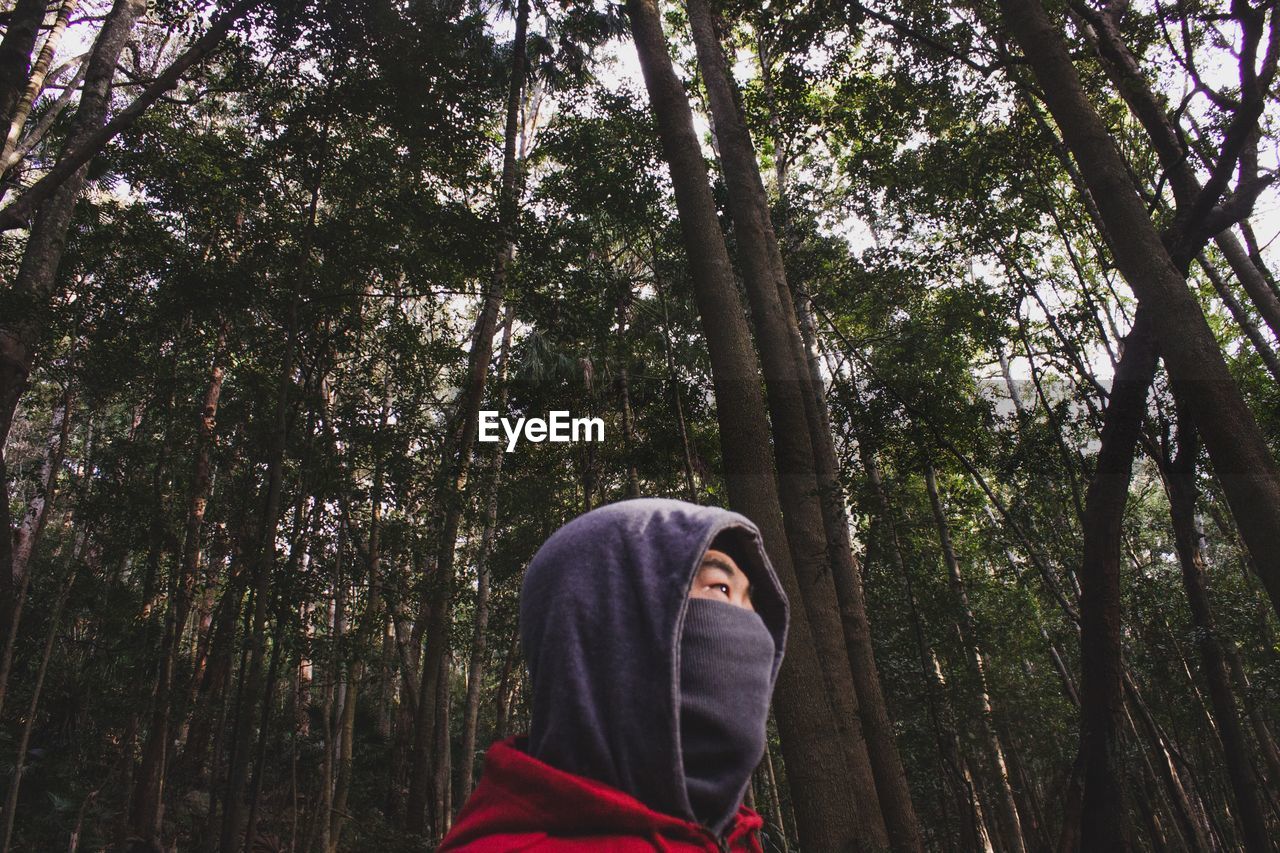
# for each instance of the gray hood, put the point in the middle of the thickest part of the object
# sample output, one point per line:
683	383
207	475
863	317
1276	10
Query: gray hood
602	613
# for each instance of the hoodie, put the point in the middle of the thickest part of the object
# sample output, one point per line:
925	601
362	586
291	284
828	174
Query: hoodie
603	616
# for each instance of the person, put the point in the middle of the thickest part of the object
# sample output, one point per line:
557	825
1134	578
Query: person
653	631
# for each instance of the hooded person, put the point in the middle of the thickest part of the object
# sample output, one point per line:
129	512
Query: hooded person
653	631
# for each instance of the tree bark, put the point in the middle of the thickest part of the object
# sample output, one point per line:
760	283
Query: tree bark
998	768
1261	731
828	811
1192	821
15	51
55	619
1238	313
484	569
23	322
35	85
456	460
263	564
1180	484
1243	463
813	510
624	393
1260	293
691	490
28	532
149	793
1104	823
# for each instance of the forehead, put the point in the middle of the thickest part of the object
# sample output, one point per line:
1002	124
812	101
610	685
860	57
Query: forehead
717	559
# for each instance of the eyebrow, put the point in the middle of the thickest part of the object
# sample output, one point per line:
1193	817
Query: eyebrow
725	565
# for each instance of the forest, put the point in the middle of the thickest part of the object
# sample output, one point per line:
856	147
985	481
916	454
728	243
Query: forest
972	307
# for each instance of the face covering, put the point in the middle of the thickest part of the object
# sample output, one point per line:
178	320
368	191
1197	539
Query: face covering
624	666
726	668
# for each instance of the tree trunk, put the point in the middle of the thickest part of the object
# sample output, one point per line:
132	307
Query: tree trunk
15	51
1243	463
1261	731
264	732
456	459
440	811
775	799
998	770
55	619
337	811
24	537
953	764
1104	823
1191	820
691	490
480	634
1260	293
1243	320
1180	483
35	84
818	534
502	698
829	812
27	534
624	393
149	793
22	327
263	565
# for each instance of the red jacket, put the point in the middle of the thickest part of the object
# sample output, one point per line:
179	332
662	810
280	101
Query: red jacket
523	804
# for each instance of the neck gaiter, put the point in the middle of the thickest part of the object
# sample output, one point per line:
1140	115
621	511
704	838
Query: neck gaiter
726	663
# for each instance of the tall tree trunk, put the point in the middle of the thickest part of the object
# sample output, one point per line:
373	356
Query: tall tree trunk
1104	823
26	304
264	732
691	490
440	808
34	86
1260	293
974	832
830	814
891	781
775	798
27	533
998	771
29	530
624	392
1243	463
484	570
1180	483
15	51
1238	313
1261	731
1192	820
502	698
337	811
24	740
371	625
263	565
149	793
817	533
456	459
1255	255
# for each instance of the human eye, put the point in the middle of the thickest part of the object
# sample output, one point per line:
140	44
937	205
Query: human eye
721	587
